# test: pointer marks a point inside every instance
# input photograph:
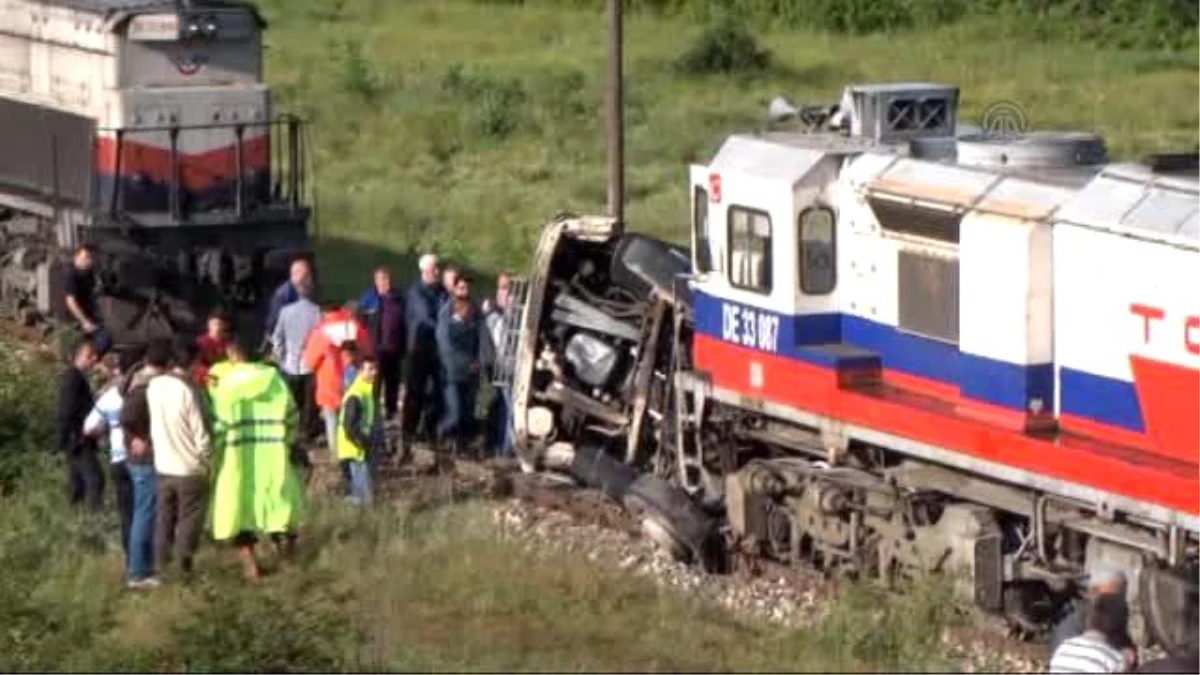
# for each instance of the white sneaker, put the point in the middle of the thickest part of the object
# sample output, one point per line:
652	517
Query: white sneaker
143	584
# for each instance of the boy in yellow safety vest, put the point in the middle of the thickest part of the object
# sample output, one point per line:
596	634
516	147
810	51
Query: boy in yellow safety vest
360	431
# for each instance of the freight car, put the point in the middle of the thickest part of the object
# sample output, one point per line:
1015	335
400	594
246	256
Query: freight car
897	347
144	128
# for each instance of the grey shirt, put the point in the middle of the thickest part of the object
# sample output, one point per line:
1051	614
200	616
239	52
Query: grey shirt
295	322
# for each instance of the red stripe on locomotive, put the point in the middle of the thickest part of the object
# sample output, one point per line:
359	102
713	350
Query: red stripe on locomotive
197	171
939	421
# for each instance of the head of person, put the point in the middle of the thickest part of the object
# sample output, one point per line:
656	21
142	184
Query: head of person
462	288
348	352
299	272
159	355
127	361
428	266
82	258
502	284
450	278
240	350
1108	615
86	354
383	280
1107	581
368	369
218	325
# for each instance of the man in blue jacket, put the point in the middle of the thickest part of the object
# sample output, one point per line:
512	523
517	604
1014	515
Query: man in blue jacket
421	304
382	310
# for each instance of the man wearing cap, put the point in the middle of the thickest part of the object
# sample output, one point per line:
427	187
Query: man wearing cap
1101	582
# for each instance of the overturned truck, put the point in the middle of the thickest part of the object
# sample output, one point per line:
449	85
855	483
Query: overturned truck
591	344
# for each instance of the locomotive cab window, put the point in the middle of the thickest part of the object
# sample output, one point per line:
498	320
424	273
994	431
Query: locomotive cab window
817	252
749	249
703	250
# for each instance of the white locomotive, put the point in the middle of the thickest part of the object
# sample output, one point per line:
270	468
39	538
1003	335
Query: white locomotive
144	128
898	347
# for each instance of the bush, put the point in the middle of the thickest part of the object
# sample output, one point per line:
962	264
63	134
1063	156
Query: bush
727	47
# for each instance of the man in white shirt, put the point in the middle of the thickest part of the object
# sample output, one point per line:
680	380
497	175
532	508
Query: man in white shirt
1093	651
180	437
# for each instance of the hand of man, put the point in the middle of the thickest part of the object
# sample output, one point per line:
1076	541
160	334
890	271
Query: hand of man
138	448
89	327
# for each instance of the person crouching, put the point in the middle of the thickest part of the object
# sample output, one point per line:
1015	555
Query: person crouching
360	432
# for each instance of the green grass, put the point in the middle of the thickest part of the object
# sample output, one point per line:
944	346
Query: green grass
462	127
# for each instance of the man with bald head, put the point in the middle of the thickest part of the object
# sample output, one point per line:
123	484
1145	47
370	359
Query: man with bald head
421	304
299	274
1101	582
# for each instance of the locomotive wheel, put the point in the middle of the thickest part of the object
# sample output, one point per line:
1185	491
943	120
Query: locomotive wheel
1169	602
670	518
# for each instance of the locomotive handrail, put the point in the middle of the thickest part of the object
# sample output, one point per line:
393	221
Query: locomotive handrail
286	123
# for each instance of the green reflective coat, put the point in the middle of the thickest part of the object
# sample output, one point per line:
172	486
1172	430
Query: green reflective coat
256	487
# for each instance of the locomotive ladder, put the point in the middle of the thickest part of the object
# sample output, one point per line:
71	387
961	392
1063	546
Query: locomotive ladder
510	335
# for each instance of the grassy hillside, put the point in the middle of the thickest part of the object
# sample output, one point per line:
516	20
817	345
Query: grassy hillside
463	126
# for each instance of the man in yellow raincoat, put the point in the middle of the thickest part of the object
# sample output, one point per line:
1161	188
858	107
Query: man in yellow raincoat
257	487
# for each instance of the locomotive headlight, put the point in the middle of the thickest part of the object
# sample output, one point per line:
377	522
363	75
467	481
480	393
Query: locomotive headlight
211	26
192	30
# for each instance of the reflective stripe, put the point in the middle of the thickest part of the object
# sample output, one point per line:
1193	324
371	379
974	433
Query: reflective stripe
243	440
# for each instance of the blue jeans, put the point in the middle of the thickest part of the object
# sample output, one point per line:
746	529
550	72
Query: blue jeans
140	563
459	400
360	481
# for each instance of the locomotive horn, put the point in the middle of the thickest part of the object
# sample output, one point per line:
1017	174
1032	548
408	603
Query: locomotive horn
780	109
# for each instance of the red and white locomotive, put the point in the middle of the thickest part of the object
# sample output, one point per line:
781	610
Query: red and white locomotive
899	347
144	128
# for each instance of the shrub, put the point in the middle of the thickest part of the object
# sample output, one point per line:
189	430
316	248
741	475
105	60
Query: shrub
726	47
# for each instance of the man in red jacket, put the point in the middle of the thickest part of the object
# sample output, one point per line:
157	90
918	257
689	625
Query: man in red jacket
321	354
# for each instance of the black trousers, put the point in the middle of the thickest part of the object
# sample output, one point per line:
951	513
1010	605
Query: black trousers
390	368
123	486
301	387
85	478
421	394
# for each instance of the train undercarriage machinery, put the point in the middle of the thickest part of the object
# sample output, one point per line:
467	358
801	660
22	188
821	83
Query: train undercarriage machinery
144	130
891	351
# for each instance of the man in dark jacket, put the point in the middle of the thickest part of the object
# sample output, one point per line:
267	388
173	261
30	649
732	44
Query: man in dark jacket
382	310
85	479
459	333
421	310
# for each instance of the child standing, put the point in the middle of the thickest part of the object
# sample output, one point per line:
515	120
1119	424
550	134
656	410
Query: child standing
360	432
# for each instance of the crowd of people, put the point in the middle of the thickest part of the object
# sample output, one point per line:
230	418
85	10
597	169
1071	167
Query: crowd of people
212	431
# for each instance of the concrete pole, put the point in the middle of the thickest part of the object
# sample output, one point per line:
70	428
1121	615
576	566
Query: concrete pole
614	102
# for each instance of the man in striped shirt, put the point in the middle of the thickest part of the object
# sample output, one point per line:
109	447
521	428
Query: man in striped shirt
1093	651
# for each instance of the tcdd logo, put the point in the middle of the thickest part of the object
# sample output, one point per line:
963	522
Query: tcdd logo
1149	314
189	64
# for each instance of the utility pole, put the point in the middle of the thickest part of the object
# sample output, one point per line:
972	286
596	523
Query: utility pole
614	101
